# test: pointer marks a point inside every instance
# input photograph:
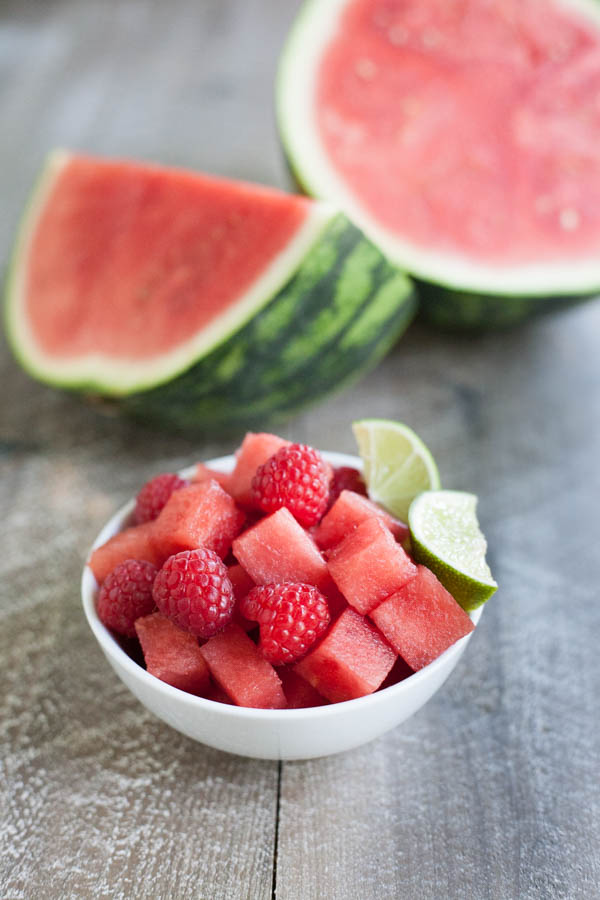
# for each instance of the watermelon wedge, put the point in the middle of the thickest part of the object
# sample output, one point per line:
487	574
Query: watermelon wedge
193	300
462	136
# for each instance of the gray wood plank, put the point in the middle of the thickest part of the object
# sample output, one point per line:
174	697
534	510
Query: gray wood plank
491	790
97	798
184	83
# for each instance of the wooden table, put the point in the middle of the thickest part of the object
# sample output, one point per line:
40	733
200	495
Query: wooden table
493	789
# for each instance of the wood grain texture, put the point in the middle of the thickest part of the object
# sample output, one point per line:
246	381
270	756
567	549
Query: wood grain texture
493	789
98	798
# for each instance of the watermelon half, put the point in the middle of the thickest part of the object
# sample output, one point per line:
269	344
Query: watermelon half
195	301
463	136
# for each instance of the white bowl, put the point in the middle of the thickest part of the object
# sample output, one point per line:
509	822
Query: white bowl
268	733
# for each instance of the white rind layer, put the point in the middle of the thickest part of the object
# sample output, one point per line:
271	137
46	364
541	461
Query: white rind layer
296	83
117	376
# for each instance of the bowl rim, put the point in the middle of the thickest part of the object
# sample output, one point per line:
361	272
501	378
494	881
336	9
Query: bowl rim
112	649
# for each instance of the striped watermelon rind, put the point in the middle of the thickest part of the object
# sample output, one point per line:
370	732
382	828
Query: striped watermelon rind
453	310
337	316
113	376
338	305
451	297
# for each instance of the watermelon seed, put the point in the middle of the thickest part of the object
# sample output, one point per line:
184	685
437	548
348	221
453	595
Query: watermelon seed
569	219
398	35
430	38
366	69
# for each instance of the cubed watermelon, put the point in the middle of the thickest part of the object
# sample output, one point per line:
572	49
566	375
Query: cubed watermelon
400	670
298	692
199	515
132	543
240	580
369	565
351	661
204	473
240	669
217	694
255	450
171	654
350	510
277	548
335	599
422	619
242	584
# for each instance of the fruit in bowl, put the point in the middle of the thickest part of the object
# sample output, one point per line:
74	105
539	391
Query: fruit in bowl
280	611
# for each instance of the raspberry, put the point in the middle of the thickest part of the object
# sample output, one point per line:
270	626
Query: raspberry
154	495
291	618
345	478
125	595
295	477
193	589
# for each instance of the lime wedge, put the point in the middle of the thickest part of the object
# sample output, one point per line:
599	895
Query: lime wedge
446	538
397	464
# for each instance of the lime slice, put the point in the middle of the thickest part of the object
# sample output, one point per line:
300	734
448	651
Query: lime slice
446	538
397	464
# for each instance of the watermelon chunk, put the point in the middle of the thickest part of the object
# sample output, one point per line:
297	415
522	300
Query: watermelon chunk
205	473
241	670
240	580
351	661
242	585
132	543
298	692
171	654
255	450
350	510
399	672
199	515
217	694
335	599
278	549
422	619
369	565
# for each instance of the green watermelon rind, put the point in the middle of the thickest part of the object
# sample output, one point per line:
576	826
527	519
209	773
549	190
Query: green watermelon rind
443	301
450	309
296	349
340	309
114	377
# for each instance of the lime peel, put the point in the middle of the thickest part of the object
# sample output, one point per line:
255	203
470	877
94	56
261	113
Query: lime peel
397	464
446	538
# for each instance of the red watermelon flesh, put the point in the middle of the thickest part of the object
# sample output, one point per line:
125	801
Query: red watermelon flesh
242	585
241	670
214	692
171	654
369	565
255	450
422	619
169	240
199	515
132	543
399	671
241	581
278	549
205	473
335	599
352	660
350	510
298	692
468	127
